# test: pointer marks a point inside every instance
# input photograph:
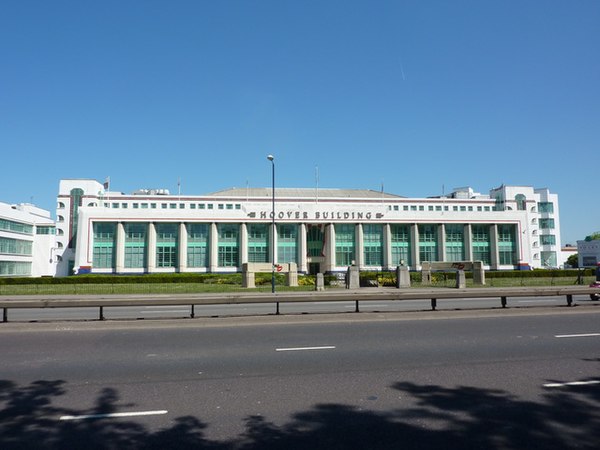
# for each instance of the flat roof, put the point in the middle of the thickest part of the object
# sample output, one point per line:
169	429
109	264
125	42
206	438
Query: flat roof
303	193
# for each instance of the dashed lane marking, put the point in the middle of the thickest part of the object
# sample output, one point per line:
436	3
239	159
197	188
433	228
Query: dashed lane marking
294	349
114	415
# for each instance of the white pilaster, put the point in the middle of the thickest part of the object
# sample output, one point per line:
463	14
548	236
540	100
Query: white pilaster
151	247
494	251
387	247
330	247
359	248
468	242
243	243
302	249
183	243
120	248
441	239
414	245
213	254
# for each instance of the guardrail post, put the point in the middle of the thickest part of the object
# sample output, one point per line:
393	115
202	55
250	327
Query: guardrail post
4	314
356	307
569	300
192	312
433	304
101	313
277	308
503	301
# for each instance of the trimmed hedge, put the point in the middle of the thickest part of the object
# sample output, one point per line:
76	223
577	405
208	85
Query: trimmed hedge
388	278
382	278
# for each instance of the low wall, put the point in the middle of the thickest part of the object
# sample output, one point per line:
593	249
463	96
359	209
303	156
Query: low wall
249	269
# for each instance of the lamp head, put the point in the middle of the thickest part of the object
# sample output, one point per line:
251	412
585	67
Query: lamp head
270	158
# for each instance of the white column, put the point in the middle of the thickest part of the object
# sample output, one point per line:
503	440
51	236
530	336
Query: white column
414	246
387	247
273	244
120	248
359	247
243	243
151	247
441	242
494	252
468	242
329	247
302	249
183	243
213	254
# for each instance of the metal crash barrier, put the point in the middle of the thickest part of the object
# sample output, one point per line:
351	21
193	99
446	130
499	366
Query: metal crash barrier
338	295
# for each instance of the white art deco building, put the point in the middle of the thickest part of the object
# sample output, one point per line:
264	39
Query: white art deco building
321	230
27	241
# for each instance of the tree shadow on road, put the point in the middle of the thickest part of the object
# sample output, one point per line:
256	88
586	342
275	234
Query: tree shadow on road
436	417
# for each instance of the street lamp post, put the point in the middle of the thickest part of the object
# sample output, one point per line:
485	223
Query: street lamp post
272	159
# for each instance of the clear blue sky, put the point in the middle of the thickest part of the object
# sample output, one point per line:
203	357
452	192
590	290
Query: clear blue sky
417	95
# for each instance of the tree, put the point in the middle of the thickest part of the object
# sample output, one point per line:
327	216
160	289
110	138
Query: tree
573	260
593	237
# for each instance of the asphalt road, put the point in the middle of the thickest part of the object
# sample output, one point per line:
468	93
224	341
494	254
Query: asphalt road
156	312
451	379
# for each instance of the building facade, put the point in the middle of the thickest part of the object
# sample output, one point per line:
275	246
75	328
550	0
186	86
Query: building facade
27	241
321	230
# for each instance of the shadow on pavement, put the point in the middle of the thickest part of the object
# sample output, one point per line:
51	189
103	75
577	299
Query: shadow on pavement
452	418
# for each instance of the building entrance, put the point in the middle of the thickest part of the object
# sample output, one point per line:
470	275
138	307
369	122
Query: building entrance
314	268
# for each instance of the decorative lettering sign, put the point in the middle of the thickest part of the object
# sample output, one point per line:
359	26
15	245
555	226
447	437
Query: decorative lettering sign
317	215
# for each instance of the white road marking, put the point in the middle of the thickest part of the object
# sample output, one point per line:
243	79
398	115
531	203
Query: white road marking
293	349
572	383
113	415
576	335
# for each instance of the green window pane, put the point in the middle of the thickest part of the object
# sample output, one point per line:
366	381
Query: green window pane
287	243
228	245
344	244
315	240
401	246
373	244
428	242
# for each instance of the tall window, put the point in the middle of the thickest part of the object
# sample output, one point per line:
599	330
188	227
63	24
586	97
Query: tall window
166	244
135	245
455	248
548	239
198	244
507	246
428	242
287	243
76	197
549	259
258	242
546	207
344	244
104	245
373	244
315	240
228	244
547	224
521	202
400	244
481	243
